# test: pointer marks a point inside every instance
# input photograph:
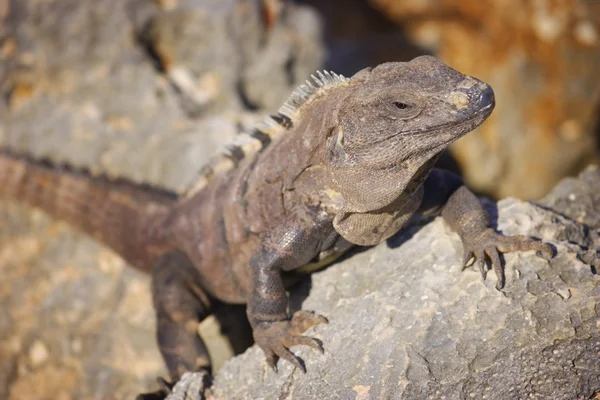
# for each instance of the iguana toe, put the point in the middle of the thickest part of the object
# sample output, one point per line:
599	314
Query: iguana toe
275	338
488	245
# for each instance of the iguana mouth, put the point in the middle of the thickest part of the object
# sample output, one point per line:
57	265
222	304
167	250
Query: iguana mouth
459	127
476	120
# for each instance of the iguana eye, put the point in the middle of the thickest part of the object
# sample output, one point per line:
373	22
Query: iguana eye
404	109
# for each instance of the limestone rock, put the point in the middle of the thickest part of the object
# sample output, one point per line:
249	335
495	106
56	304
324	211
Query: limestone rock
405	322
119	87
578	198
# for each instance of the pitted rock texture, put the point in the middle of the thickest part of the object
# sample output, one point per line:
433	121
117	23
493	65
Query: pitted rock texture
406	323
578	198
119	87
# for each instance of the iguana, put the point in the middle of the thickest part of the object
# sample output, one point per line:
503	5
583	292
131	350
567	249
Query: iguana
345	161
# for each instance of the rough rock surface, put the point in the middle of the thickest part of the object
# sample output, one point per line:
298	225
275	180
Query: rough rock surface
578	198
541	57
406	323
142	89
119	87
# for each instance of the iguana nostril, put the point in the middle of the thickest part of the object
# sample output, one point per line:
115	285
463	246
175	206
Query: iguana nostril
487	97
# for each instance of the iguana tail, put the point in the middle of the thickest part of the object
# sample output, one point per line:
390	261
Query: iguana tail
125	216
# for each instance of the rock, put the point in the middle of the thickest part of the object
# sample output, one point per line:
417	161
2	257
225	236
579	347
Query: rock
118	87
190	386
578	198
405	322
38	353
541	58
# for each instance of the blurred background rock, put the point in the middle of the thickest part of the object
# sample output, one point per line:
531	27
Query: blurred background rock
149	89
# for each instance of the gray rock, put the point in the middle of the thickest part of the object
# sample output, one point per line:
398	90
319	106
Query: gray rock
578	198
106	85
138	90
189	387
405	322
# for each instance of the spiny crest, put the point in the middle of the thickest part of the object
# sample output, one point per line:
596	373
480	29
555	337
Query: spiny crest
303	93
301	96
248	144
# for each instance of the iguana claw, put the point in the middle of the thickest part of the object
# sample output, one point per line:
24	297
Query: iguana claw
275	338
489	244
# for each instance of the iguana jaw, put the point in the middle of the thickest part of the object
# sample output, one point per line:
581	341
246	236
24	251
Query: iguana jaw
395	150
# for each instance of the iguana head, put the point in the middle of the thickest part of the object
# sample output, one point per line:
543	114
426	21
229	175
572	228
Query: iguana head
393	123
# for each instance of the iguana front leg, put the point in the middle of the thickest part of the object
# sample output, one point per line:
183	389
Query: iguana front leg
180	305
293	244
445	193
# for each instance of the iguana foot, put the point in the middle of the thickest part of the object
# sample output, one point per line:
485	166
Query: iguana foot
489	244
275	338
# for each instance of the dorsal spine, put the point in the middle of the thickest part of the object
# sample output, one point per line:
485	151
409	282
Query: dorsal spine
248	144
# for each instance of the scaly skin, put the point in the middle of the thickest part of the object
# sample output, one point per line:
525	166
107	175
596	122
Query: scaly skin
345	164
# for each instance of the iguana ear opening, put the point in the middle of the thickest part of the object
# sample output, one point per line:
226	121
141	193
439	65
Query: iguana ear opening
336	146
